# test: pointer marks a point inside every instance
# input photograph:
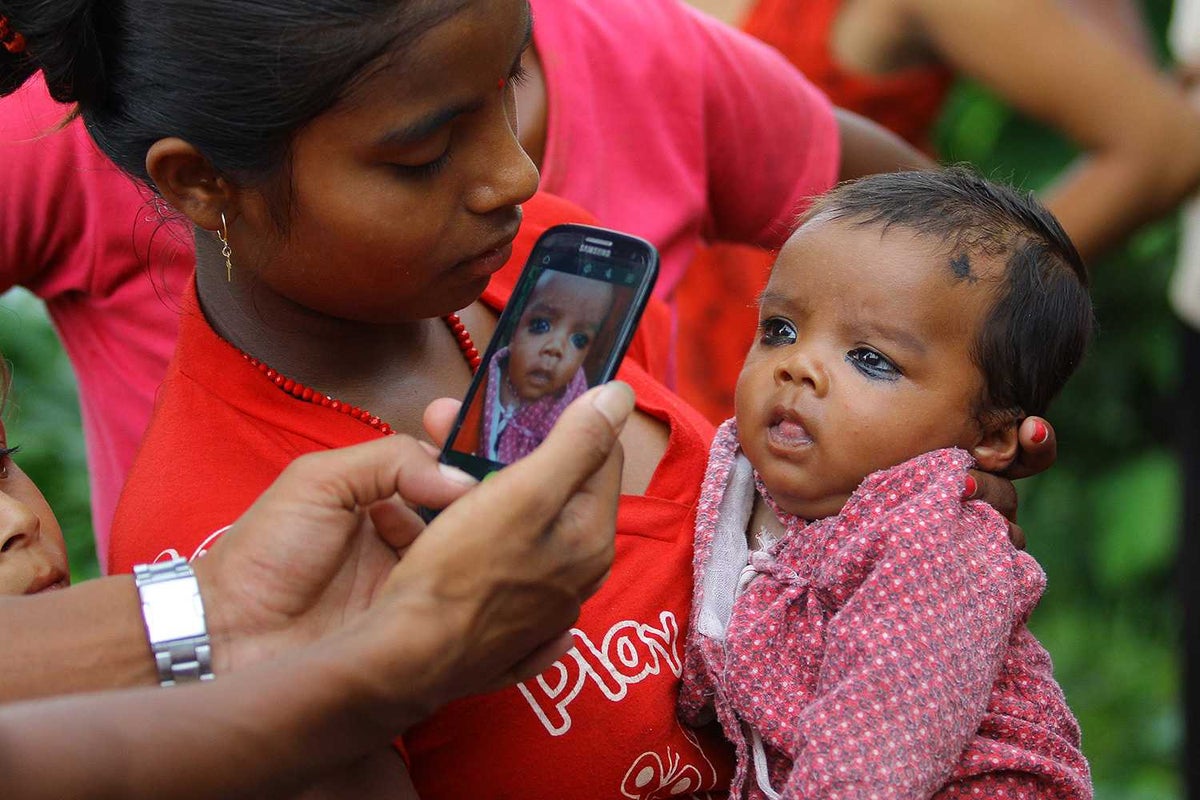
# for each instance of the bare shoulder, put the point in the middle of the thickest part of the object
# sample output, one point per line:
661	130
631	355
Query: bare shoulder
645	441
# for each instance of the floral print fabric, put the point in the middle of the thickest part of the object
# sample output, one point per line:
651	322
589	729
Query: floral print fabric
883	652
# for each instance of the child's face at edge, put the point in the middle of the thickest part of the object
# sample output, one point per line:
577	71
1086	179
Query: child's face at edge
33	555
406	195
555	334
862	361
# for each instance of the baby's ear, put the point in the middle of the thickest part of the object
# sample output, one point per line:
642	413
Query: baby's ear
998	443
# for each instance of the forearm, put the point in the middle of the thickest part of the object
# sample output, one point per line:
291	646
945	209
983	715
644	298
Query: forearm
1106	196
1121	21
92	637
269	730
85	638
868	148
1138	136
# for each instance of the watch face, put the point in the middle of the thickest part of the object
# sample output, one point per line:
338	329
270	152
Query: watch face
173	610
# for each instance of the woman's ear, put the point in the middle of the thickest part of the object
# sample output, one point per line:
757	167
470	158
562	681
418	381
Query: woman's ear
189	182
998	443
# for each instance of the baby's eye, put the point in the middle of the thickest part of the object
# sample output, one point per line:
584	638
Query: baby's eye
873	364
539	325
776	331
580	341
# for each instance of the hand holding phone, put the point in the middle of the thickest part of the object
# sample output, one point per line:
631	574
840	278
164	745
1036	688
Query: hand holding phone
570	320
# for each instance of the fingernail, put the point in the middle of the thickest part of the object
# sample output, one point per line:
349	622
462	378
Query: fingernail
1039	432
456	475
615	402
971	486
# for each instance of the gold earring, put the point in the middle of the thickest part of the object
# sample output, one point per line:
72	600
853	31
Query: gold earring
226	250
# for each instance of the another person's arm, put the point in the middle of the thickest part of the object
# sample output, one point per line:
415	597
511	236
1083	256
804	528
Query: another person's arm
1140	138
869	148
485	596
773	140
278	580
1120	20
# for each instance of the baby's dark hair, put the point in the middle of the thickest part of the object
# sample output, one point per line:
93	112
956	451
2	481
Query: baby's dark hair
1038	327
235	78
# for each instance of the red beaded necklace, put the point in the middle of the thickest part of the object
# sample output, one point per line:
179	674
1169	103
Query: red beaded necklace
301	392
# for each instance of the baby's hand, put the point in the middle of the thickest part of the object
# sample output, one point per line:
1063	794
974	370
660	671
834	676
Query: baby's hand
1037	452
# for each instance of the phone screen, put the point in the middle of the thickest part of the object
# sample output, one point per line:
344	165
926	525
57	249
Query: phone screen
564	331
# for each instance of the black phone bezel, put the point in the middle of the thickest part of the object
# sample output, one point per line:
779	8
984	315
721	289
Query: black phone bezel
623	246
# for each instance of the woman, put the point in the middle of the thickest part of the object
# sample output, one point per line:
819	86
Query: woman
727	157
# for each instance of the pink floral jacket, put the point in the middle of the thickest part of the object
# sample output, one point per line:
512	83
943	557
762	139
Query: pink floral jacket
879	653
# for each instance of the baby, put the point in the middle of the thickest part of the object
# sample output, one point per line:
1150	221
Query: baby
33	555
859	630
540	372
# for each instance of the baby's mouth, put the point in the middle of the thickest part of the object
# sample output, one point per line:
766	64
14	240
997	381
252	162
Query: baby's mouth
539	377
787	432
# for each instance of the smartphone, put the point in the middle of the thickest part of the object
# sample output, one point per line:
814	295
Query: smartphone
568	324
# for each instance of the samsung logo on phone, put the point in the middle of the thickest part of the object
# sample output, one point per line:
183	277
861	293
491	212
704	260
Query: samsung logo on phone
591	248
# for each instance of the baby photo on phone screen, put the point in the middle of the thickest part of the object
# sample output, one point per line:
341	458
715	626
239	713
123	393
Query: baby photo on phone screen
544	365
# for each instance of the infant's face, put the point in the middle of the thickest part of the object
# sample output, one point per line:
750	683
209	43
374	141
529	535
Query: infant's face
33	555
862	360
555	333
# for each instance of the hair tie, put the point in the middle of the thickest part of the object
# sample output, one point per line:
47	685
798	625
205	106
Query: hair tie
13	42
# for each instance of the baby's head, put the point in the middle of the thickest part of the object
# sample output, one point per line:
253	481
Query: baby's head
555	333
907	312
33	555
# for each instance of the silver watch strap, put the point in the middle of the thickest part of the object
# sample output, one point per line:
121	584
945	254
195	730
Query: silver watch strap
174	616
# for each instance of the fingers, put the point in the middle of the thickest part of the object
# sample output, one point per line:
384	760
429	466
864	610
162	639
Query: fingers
1187	74
359	476
535	489
1038	449
504	570
1001	495
997	492
1016	535
581	442
439	418
539	660
395	522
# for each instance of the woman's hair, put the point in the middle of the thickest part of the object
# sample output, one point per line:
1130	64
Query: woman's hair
1041	319
237	79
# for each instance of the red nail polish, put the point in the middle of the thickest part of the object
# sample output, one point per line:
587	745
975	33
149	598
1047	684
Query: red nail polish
971	486
1039	432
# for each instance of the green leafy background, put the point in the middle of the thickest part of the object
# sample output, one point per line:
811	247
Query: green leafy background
1102	521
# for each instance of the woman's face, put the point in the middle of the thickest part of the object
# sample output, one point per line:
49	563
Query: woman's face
33	555
404	198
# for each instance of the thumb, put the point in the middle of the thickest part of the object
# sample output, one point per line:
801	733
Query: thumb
579	444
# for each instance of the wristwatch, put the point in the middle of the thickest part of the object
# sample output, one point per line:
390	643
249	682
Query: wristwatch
174	616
